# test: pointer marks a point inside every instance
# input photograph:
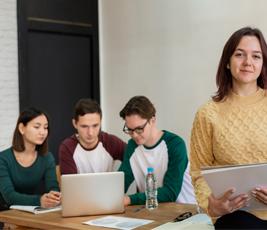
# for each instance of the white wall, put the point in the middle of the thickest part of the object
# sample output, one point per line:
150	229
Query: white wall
8	71
169	51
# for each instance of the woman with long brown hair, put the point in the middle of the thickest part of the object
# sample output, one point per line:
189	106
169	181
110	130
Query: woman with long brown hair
231	129
27	169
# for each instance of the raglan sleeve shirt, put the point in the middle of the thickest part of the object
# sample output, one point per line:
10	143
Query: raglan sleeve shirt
114	145
173	179
125	165
66	161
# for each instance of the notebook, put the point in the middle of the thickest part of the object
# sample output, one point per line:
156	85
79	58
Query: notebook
92	193
35	209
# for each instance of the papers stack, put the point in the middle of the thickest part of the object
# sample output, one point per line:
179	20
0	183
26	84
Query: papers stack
117	222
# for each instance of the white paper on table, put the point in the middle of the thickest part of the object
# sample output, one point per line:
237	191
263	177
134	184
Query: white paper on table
118	222
195	222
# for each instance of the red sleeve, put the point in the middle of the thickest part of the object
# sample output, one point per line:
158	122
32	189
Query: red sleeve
66	151
114	145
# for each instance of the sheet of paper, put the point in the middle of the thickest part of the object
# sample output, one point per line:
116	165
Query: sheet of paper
198	221
118	222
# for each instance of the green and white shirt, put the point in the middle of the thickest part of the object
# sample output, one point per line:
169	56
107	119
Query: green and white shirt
169	159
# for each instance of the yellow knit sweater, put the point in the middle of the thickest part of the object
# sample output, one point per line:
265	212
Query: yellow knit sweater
228	133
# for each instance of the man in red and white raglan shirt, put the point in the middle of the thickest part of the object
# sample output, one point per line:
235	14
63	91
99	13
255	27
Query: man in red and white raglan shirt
90	149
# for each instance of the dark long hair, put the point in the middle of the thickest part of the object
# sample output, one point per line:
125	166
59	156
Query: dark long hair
224	76
26	116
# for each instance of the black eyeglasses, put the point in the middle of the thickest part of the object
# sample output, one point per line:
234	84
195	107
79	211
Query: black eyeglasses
138	130
183	216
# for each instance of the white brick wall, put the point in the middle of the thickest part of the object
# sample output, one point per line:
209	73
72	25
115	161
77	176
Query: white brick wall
9	104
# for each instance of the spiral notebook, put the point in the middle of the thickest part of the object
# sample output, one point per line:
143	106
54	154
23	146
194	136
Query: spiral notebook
35	209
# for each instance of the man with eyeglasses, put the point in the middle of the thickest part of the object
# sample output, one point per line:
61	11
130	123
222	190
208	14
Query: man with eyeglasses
90	149
151	147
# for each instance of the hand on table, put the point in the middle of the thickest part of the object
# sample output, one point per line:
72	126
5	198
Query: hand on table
51	199
126	200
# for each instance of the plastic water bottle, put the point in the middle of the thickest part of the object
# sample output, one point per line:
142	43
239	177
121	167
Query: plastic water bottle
151	190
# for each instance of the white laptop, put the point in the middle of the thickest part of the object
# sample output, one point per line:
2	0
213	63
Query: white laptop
92	193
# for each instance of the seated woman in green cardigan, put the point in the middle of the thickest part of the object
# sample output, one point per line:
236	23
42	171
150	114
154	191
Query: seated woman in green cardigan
27	169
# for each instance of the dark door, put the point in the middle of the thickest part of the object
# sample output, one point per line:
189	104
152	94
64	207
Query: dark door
58	59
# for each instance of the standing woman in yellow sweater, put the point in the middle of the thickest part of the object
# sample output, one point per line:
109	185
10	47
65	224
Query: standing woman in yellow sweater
232	128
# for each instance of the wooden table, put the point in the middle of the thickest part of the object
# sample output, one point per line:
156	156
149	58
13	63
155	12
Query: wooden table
53	220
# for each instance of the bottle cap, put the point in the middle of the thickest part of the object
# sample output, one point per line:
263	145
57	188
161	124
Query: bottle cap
150	170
